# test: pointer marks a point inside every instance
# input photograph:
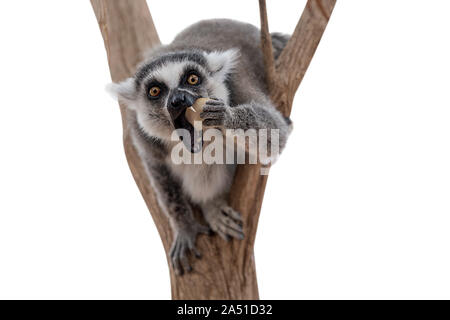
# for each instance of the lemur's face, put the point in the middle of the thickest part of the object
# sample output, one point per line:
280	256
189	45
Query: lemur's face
163	88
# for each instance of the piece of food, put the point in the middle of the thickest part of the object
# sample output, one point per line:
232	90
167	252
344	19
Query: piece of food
193	113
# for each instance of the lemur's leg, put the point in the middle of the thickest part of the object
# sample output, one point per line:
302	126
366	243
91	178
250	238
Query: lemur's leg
253	115
177	208
223	219
173	202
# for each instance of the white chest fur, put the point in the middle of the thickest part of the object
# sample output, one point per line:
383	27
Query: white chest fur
203	182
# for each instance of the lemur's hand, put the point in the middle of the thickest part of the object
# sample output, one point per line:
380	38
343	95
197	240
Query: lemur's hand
184	243
216	114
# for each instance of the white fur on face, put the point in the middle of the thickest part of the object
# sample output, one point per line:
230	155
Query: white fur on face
155	127
170	73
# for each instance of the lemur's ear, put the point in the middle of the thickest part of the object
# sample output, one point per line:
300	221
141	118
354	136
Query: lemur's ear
125	91
222	63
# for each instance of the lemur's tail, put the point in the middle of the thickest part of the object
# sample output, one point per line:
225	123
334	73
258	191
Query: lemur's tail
279	41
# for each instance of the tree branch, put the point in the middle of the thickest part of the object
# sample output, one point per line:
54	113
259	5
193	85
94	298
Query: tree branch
266	46
121	24
294	60
227	270
247	192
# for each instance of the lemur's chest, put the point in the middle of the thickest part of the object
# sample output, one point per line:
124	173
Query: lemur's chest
203	182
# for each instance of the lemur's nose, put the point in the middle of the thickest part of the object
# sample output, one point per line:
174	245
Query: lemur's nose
181	100
178	101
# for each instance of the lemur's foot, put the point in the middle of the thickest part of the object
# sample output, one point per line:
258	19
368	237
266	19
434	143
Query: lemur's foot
225	221
184	244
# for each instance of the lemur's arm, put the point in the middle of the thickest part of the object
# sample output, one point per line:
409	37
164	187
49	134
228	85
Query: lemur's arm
170	198
255	114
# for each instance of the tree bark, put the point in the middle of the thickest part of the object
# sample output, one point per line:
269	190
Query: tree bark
227	269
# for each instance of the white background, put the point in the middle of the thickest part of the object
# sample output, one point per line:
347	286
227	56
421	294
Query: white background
357	207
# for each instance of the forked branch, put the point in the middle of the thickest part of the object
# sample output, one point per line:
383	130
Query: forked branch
227	270
294	60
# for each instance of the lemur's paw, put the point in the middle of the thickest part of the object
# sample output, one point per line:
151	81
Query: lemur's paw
226	222
215	113
184	244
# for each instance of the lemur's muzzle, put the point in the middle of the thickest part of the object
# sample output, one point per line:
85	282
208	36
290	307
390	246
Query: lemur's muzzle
178	102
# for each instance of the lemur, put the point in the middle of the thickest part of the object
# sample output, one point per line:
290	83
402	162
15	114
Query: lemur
218	59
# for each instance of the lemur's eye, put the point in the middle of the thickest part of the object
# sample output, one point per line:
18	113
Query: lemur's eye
154	91
193	79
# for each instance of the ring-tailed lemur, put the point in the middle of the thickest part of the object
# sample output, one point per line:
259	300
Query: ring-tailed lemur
214	58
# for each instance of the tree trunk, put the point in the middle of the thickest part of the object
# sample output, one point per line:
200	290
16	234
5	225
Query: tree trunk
227	269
